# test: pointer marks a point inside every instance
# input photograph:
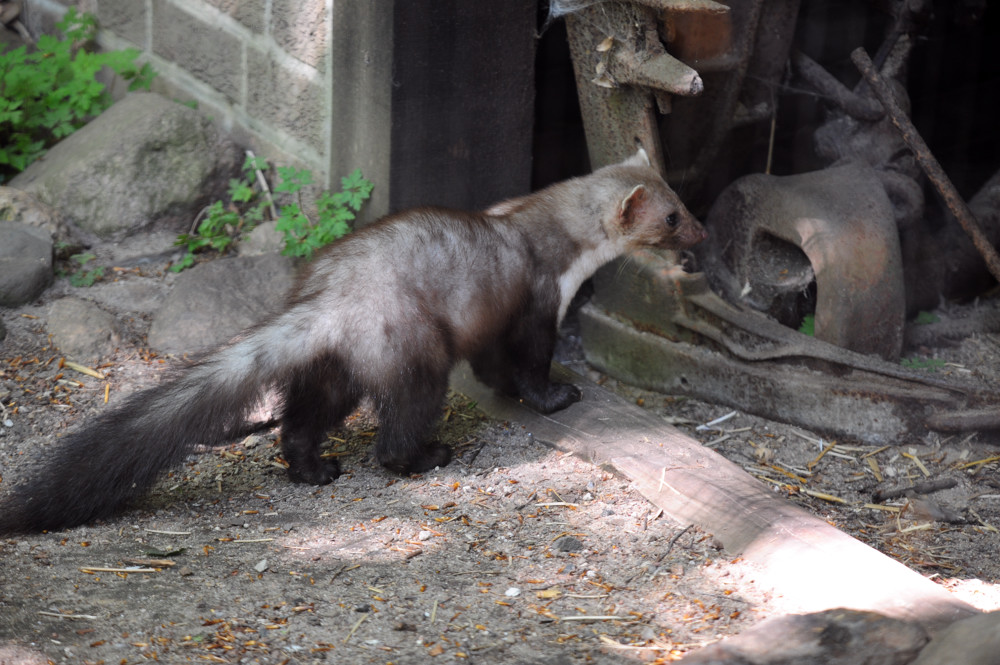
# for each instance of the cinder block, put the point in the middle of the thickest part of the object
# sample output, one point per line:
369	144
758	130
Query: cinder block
286	99
249	13
301	28
125	18
207	52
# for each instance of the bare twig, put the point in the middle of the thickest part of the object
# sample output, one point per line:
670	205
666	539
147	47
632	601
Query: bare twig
927	162
673	541
22	31
262	181
59	615
829	87
82	369
355	627
925	487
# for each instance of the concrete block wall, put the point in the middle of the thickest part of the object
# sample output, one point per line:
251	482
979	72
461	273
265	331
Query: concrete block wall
261	69
433	100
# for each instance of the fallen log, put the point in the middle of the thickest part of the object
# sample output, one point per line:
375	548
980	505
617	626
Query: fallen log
803	559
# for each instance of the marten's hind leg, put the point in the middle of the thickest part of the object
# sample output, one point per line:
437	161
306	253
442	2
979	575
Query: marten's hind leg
316	399
407	414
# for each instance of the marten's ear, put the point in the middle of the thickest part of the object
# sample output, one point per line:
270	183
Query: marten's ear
628	211
640	158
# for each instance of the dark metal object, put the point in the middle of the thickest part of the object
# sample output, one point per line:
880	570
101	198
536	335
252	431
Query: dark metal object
927	162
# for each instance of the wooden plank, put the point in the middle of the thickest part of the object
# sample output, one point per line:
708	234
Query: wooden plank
808	562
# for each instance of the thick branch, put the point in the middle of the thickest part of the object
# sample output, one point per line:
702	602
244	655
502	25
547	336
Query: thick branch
927	162
828	86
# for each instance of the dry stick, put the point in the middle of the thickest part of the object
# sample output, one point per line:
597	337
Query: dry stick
925	487
262	181
927	161
827	85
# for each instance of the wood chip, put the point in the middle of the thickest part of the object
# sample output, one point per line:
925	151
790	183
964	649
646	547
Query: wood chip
874	452
241	541
827	448
59	615
889	509
822	495
158	563
76	367
987	460
169	533
355	627
874	466
711	424
920	465
118	570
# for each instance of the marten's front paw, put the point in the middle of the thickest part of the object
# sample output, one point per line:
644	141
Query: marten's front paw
320	474
431	455
557	397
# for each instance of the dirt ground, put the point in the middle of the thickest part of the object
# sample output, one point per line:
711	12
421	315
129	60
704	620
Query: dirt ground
514	553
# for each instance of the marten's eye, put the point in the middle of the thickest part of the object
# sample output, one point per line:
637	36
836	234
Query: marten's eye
672	219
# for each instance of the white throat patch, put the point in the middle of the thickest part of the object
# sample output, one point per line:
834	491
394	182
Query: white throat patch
580	270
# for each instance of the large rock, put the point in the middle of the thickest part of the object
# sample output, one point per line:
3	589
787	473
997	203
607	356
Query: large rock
25	263
146	159
82	330
832	637
21	207
264	239
972	641
213	301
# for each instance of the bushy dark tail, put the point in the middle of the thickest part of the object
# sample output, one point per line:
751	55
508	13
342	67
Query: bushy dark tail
96	470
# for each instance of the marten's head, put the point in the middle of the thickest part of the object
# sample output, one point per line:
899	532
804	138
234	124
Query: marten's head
651	214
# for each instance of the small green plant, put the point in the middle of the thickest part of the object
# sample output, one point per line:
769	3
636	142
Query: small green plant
929	364
304	236
52	91
808	326
247	208
923	318
84	277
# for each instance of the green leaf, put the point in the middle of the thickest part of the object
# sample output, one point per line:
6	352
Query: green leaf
303	237
252	164
929	364
240	191
87	278
292	179
185	262
51	92
808	326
